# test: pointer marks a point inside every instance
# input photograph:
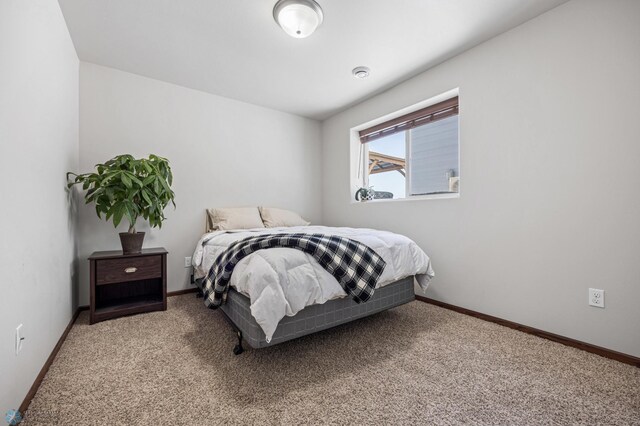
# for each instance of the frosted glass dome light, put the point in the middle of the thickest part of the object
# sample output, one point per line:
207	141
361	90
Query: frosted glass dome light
298	18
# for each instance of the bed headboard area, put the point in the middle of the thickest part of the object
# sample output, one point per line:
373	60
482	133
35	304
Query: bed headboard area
250	218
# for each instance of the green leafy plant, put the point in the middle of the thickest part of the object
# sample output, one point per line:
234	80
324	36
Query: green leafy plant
125	187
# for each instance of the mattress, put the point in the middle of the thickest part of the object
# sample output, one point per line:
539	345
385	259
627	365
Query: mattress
313	318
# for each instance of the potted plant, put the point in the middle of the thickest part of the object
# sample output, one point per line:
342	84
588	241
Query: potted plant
366	193
126	187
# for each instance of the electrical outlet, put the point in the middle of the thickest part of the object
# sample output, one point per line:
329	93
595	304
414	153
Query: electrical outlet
596	297
19	339
187	262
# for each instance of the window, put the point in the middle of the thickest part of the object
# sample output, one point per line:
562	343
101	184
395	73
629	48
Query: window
414	154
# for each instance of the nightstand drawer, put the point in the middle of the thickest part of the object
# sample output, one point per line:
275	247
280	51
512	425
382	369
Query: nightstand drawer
109	271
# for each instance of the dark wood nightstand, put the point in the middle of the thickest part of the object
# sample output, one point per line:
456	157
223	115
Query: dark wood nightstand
125	284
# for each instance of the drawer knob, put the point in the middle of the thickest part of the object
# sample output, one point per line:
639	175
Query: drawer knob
130	270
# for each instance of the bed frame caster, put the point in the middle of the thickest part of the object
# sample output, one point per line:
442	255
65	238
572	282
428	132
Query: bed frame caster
238	349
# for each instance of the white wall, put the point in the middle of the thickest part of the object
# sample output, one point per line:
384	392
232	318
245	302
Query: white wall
38	145
550	158
223	153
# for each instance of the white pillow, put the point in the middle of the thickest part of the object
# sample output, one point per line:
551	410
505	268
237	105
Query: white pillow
273	218
233	218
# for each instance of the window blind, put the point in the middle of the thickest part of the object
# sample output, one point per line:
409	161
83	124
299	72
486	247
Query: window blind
418	118
434	157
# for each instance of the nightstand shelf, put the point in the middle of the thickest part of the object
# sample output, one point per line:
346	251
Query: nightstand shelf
127	284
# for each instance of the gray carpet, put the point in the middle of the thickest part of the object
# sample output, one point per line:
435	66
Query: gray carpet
415	364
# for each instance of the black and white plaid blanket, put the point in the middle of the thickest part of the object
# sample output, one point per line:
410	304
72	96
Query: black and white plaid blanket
354	265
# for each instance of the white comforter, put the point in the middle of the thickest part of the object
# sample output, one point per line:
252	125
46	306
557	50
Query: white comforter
283	281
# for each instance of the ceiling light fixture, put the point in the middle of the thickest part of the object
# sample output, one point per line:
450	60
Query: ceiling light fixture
361	72
298	18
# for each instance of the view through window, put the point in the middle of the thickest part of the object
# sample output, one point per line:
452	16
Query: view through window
386	168
415	154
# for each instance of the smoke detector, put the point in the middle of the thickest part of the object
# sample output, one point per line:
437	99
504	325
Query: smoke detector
361	72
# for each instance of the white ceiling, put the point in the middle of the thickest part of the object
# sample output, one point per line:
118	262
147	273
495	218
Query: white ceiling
234	48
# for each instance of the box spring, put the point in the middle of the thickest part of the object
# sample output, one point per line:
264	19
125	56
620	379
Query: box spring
313	318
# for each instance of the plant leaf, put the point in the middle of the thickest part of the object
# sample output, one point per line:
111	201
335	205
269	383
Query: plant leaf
119	210
126	180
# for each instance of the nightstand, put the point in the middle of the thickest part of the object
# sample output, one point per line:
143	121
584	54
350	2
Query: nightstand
126	284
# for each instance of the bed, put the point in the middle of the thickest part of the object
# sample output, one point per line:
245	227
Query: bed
280	294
